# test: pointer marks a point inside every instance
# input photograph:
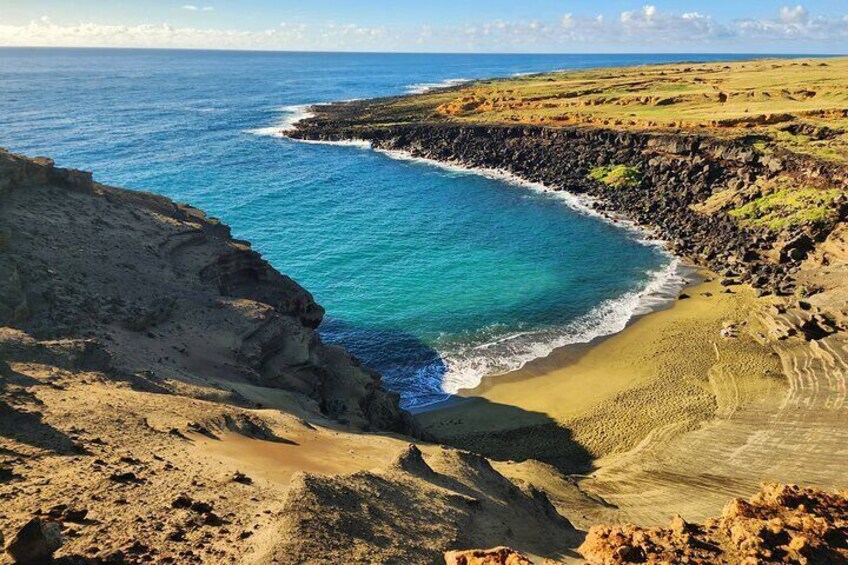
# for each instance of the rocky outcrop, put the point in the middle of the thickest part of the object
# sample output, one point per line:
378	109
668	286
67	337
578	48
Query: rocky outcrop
163	289
243	273
35	542
495	556
780	524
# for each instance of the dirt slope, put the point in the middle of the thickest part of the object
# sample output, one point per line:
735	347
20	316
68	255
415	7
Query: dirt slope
165	398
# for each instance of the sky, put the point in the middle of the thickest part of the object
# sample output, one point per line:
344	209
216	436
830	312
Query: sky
486	26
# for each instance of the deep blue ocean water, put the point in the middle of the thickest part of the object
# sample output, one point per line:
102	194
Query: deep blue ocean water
433	276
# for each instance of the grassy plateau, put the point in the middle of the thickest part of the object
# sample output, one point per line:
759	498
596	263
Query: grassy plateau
797	104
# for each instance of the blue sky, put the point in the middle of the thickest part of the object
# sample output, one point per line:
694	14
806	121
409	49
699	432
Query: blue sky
815	26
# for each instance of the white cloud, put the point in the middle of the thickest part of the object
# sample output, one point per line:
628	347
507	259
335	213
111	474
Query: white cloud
44	32
193	8
645	28
794	15
797	25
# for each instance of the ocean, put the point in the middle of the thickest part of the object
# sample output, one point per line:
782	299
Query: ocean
434	276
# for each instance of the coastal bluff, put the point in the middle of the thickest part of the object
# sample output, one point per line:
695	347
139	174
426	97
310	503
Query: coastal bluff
163	289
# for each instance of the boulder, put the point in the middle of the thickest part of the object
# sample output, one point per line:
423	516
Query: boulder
35	542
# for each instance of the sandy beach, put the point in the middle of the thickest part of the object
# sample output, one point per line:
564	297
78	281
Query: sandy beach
611	394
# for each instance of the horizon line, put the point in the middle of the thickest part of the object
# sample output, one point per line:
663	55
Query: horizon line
491	53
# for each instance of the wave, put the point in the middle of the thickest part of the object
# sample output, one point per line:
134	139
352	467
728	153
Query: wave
467	366
422	87
358	143
291	116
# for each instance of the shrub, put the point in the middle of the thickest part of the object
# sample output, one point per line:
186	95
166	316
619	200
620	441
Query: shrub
618	176
788	208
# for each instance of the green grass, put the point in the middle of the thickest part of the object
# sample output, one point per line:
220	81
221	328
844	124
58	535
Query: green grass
619	176
788	208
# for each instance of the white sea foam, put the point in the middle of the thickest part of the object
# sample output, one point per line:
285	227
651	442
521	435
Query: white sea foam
422	87
291	116
358	143
466	367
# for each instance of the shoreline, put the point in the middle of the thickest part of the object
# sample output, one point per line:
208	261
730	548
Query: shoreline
660	291
562	356
586	402
678	411
565	357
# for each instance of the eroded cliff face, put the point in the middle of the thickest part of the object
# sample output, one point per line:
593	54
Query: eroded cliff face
686	189
169	294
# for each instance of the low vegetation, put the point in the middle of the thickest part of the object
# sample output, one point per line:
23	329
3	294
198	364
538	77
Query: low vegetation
788	207
618	176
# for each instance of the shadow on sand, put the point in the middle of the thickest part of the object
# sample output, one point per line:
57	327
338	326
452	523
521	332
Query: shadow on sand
498	431
27	426
504	432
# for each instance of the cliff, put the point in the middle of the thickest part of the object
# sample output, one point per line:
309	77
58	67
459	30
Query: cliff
166	292
164	397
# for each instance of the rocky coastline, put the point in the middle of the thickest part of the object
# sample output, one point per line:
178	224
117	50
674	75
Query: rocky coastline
165	396
679	173
152	365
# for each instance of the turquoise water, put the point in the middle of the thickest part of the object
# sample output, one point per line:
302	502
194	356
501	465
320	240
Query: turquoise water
433	276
